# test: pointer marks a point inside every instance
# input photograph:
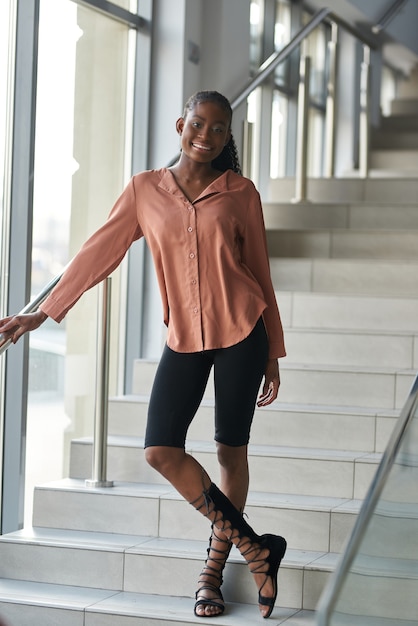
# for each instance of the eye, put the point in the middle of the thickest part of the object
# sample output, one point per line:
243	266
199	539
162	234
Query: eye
196	124
218	130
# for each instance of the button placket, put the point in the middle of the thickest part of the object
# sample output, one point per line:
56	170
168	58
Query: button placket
194	276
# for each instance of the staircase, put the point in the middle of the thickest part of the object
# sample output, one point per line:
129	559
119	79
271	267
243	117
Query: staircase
347	280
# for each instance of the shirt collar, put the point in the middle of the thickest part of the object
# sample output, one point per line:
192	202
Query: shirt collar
169	184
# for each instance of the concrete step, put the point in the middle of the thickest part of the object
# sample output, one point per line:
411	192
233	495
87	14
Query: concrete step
24	603
390	139
379	188
349	348
405	160
382	388
346	276
393	173
393	531
341	216
344	244
380	589
293	425
403	115
150	565
348	312
308	522
273	469
28	603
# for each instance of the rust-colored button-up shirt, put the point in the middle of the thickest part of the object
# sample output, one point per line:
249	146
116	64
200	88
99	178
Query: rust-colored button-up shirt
210	257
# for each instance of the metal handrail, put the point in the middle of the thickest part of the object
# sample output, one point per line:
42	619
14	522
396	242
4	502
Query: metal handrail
330	596
388	16
31	307
266	69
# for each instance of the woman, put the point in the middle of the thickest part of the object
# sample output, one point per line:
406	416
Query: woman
203	224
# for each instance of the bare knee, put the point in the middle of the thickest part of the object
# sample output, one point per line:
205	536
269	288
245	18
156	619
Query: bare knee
154	456
163	458
232	459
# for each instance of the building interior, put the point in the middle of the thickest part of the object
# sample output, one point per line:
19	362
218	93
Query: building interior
325	117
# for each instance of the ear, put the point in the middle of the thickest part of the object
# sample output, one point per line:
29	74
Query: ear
180	125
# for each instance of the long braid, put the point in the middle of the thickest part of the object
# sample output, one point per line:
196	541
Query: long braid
228	159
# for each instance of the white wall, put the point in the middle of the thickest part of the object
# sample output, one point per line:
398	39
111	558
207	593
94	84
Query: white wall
166	97
221	30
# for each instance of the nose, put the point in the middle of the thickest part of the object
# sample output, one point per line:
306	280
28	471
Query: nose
203	131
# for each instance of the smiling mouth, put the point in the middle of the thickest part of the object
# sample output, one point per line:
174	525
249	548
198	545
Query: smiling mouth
200	146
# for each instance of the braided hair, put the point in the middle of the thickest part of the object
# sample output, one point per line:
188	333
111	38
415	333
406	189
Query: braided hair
228	159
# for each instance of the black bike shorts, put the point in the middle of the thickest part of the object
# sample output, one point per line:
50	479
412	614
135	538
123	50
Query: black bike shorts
180	383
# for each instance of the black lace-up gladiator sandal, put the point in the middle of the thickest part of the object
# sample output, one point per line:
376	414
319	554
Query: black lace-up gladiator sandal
214	505
209	592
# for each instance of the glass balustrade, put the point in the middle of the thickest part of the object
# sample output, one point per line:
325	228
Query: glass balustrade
376	583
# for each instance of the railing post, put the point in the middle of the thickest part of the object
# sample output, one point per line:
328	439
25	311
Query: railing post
302	131
331	104
247	148
364	130
102	391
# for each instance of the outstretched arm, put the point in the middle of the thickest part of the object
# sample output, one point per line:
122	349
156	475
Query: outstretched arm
15	326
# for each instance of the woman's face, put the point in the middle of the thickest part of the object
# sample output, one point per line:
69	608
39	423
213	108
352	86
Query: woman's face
204	131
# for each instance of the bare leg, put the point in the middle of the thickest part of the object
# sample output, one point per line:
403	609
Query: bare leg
234	480
179	468
233	463
189	478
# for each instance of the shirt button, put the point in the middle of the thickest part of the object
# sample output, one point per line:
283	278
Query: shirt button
190	229
195	310
192	255
194	281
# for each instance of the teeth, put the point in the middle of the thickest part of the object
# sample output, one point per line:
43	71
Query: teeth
198	145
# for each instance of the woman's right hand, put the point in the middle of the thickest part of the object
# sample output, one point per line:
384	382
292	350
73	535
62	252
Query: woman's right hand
15	326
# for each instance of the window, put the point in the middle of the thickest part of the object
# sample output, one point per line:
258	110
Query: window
83	87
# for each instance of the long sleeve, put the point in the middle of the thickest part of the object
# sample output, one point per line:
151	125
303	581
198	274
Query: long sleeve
98	257
256	258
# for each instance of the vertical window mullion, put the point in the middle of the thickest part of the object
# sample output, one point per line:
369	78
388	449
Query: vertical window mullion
16	371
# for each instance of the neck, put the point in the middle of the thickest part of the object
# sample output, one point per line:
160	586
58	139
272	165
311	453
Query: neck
187	169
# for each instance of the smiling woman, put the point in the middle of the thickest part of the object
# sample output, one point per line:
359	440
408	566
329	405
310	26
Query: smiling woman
204	227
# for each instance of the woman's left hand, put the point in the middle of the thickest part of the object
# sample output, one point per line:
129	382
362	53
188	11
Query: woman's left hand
271	383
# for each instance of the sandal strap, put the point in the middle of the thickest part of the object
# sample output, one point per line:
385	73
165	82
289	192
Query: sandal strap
209	587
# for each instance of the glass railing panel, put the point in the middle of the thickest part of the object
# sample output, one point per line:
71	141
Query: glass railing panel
381	585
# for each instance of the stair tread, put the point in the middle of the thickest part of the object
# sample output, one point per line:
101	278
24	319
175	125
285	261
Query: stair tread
62	596
372	298
255	498
181	609
327	367
345	261
326	454
293	407
177	609
92	540
156	546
